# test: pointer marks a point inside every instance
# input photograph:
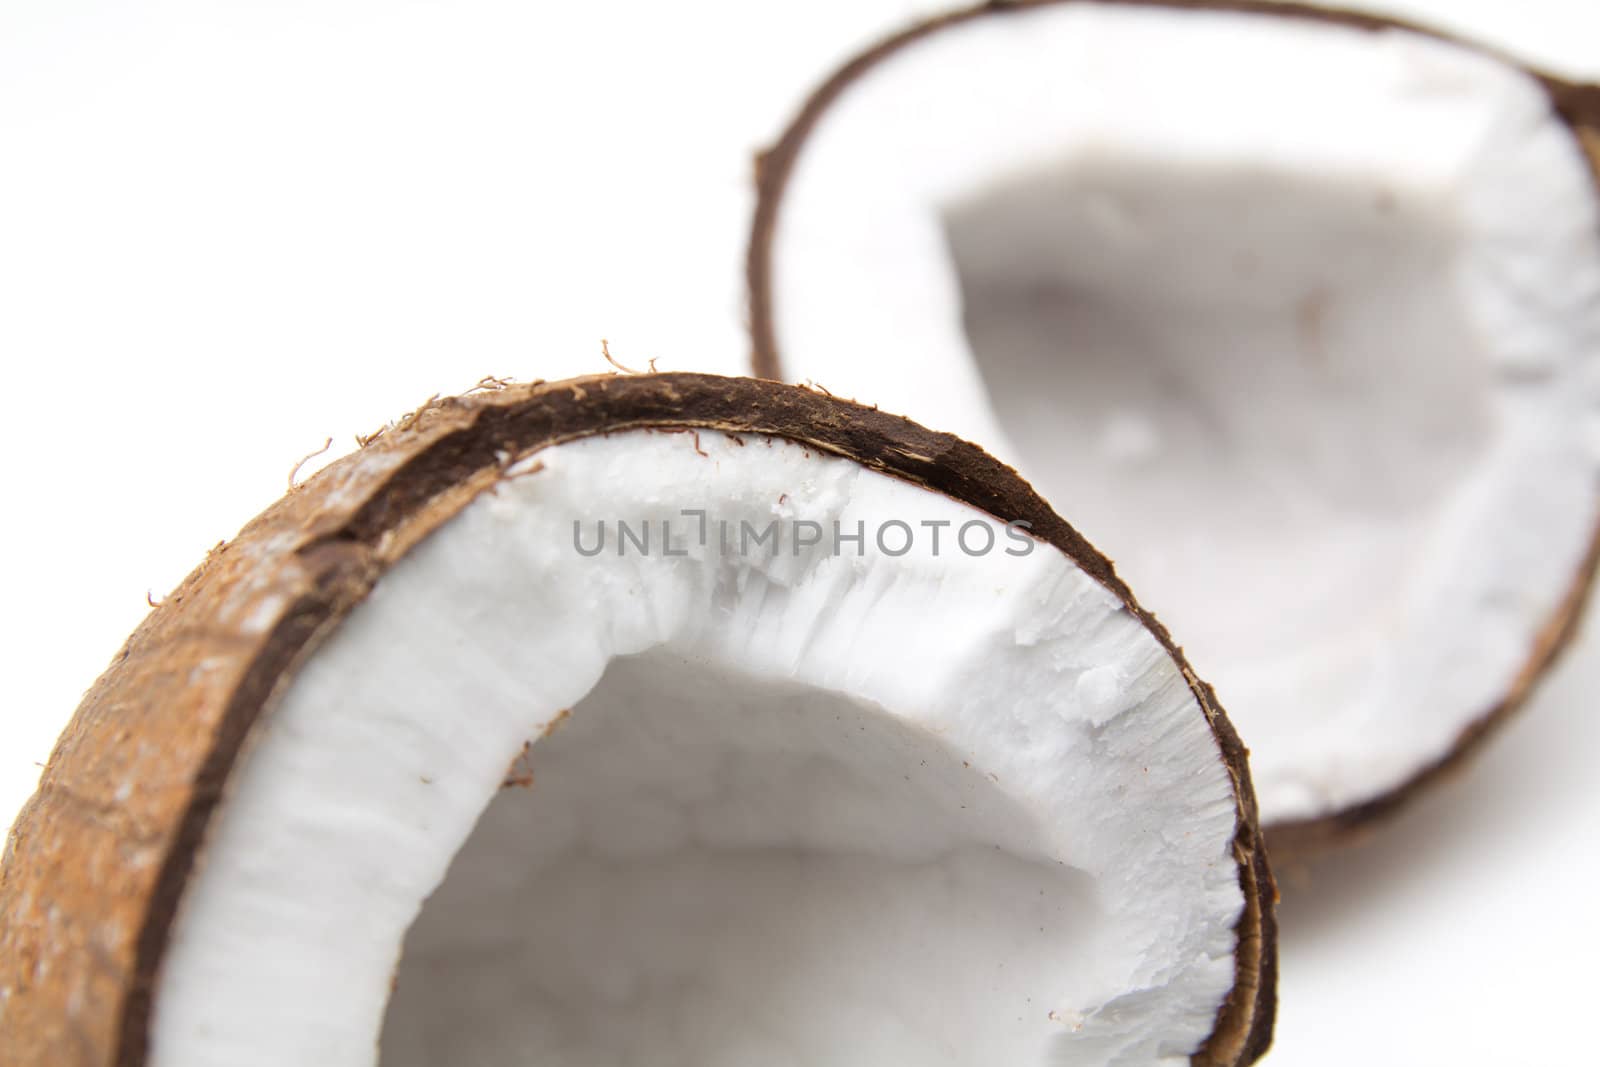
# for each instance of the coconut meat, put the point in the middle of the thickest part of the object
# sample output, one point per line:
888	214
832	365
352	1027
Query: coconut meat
1296	322
781	808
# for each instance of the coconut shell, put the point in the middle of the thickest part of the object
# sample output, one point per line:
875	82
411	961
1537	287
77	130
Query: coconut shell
1577	104
96	864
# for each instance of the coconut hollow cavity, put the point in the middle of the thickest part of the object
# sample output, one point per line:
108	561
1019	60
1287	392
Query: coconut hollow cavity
427	766
1295	312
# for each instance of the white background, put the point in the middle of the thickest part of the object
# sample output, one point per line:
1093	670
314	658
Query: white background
231	230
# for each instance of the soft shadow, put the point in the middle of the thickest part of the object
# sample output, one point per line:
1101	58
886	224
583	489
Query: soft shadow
1539	770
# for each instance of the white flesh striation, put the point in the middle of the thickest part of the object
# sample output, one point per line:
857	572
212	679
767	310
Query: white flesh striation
815	808
1297	322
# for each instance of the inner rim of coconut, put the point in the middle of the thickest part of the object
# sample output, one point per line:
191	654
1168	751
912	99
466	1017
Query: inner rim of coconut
1295	320
851	808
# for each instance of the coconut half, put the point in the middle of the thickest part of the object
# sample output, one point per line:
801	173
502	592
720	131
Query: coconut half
428	767
1295	312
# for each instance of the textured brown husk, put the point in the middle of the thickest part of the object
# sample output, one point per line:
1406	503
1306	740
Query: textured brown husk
97	862
1577	104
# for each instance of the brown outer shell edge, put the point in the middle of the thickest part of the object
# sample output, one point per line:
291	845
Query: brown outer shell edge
96	864
1578	105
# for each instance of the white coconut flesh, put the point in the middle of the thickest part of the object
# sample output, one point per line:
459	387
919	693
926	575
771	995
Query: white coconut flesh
872	808
1297	322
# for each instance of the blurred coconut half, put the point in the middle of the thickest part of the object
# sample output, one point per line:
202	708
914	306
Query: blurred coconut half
1296	312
